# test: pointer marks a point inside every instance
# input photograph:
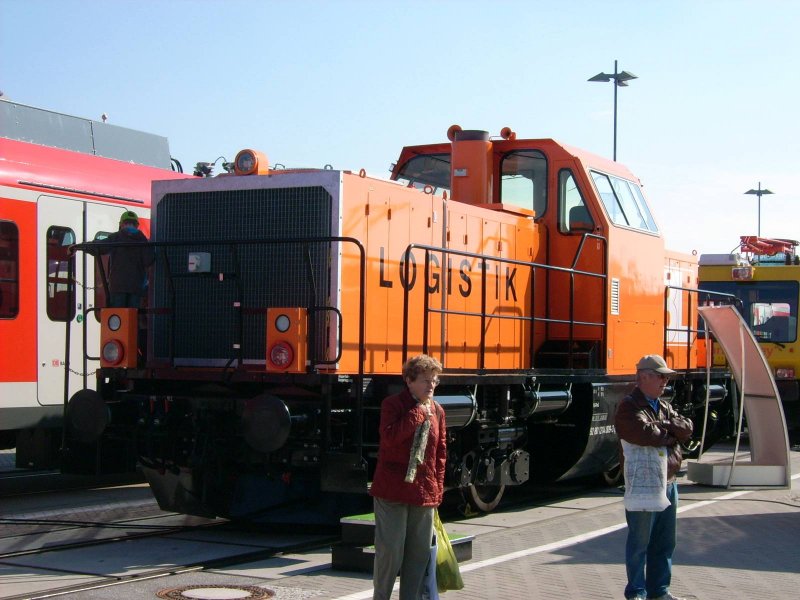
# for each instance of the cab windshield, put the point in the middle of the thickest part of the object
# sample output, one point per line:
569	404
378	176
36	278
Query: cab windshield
427	169
768	307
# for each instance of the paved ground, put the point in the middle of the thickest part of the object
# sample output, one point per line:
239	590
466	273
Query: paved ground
739	545
733	544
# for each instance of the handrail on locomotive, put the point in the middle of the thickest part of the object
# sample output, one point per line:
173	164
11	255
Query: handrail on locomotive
483	315
704	298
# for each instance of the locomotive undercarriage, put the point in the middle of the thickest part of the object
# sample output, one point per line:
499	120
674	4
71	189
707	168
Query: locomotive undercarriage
255	448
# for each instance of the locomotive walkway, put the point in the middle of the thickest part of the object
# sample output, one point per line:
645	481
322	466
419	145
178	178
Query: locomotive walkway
733	544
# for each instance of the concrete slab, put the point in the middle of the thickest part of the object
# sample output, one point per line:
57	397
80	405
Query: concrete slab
71	535
147	588
128	558
274	541
279	567
85	502
23	581
525	515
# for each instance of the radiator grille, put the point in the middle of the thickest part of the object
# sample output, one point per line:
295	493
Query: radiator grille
258	275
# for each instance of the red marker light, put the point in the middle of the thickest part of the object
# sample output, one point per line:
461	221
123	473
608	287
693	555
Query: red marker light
281	355
113	352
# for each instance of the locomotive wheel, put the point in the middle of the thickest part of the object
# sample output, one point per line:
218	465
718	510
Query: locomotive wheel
484	498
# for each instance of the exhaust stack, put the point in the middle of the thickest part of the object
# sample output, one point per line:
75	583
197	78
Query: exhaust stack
471	174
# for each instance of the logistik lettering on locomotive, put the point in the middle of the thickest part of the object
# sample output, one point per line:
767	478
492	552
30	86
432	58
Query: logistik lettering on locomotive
465	270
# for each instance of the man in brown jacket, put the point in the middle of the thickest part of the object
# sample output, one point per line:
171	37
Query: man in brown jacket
645	420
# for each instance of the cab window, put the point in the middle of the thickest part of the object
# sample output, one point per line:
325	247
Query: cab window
60	290
573	216
523	180
9	270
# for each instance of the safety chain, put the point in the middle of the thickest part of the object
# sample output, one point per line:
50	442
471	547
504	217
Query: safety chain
86	287
79	374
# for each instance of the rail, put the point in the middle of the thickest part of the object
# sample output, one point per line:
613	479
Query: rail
483	315
688	330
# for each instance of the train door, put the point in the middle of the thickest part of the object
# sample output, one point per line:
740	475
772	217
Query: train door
62	222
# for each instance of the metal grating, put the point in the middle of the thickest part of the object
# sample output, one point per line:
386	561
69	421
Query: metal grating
258	275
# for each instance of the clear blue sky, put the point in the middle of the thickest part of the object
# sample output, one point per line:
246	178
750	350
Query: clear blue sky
348	83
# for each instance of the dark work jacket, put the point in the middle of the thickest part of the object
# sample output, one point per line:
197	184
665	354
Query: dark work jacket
128	264
400	416
637	423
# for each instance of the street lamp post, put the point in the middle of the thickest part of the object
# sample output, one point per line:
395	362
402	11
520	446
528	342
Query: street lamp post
620	80
759	192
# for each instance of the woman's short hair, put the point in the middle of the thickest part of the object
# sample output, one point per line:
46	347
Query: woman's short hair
418	365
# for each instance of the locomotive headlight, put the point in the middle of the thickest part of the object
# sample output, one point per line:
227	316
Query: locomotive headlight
281	355
282	323
251	162
114	322
113	352
742	273
245	162
784	373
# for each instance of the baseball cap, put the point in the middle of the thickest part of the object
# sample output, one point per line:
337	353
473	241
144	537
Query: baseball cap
653	362
129	215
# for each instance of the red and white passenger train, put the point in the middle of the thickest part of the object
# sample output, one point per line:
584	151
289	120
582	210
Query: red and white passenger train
63	180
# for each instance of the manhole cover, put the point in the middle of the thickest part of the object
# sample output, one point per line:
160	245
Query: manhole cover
216	592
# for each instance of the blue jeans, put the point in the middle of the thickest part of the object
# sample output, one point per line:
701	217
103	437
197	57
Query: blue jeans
651	541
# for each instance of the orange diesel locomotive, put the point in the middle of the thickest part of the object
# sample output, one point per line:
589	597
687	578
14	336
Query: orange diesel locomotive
62	180
284	303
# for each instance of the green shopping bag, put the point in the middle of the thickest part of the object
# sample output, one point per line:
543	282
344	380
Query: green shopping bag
448	577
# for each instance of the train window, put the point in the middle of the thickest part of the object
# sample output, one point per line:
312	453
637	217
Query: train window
643	208
572	212
9	270
624	202
60	290
427	169
629	205
523	180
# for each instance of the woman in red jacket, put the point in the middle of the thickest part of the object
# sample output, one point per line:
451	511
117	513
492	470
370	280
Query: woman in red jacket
409	480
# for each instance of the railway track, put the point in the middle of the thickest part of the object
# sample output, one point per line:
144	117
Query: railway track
72	541
90	535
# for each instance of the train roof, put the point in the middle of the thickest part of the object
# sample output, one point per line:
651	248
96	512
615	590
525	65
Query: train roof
40	167
58	130
43	149
588	159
